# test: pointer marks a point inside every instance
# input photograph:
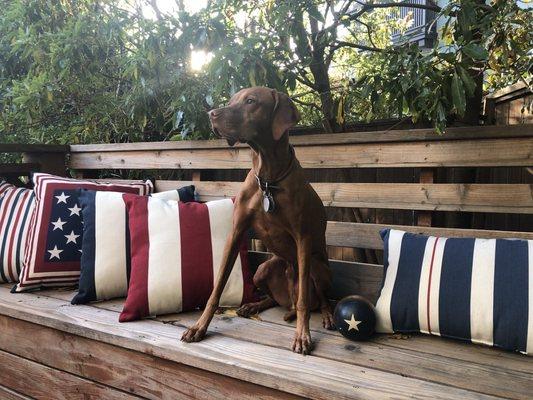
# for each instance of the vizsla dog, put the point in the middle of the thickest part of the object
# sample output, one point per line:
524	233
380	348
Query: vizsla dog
278	203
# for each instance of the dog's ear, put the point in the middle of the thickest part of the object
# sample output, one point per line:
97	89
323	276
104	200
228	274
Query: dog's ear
285	114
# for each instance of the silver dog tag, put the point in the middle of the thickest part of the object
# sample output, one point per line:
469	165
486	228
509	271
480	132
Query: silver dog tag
268	203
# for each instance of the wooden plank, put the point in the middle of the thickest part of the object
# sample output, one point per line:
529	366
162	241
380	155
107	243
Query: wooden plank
9	394
469	374
40	382
19	168
504	198
511	152
349	234
127	370
33	148
311	377
403	135
429	344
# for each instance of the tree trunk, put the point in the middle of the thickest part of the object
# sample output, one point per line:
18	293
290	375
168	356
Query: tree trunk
320	73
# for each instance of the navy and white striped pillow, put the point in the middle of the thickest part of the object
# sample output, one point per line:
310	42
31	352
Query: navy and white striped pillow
16	207
105	258
480	290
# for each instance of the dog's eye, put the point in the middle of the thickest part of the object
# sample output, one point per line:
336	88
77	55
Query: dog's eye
250	101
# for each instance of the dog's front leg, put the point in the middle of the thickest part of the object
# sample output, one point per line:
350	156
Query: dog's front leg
231	250
302	338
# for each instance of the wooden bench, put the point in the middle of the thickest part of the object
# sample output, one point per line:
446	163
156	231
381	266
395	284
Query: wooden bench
49	348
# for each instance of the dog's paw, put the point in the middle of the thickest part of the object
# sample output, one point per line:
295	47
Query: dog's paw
289	316
193	334
327	321
302	343
248	310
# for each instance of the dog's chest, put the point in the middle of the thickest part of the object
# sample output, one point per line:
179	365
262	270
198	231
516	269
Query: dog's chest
274	235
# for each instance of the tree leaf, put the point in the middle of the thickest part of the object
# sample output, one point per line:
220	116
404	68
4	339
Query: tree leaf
468	81
458	95
313	12
475	51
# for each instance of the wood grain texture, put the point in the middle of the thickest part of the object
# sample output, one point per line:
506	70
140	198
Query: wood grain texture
127	370
311	377
503	198
403	135
9	394
41	382
450	153
350	234
271	330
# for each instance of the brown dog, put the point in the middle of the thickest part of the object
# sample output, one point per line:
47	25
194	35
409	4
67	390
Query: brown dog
283	209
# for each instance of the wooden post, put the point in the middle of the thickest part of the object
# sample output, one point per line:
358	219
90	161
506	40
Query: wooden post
197	175
424	218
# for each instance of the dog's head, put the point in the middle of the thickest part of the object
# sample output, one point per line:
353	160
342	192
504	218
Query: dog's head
255	115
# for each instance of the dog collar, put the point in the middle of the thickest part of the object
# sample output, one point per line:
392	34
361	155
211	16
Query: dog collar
266	187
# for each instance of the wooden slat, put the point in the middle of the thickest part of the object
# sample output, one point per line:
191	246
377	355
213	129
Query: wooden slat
9	394
504	198
32	148
19	168
127	370
450	153
312	377
403	135
41	382
348	234
470	373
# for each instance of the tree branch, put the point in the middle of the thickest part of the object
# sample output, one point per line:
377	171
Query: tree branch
304	103
340	44
366	7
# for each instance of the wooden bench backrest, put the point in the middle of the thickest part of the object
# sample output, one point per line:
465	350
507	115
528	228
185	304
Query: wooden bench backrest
494	146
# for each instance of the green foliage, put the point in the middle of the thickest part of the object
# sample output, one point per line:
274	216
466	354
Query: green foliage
100	71
85	70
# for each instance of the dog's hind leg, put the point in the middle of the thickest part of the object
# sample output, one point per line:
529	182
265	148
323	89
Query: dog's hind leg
269	279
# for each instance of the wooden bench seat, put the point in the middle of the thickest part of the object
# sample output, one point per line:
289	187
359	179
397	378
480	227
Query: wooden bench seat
49	348
86	350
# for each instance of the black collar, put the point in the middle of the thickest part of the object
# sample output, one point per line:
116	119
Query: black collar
265	185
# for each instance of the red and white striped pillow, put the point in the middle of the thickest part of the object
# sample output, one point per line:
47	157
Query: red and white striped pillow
16	207
176	250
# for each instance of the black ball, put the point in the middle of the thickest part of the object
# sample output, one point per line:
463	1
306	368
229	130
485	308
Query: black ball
355	318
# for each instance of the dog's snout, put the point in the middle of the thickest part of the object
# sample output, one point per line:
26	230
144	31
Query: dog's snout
215	113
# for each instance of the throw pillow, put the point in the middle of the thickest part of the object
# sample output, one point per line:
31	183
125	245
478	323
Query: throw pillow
53	248
176	251
479	290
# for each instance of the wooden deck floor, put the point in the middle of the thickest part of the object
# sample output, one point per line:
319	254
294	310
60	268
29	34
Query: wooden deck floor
49	346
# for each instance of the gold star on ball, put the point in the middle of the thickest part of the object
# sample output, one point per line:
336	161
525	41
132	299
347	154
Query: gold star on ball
352	324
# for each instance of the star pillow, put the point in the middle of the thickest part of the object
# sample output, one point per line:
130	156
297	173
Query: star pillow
105	259
53	248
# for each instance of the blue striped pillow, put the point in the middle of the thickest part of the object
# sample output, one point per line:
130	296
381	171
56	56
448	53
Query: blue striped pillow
105	258
479	290
16	207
